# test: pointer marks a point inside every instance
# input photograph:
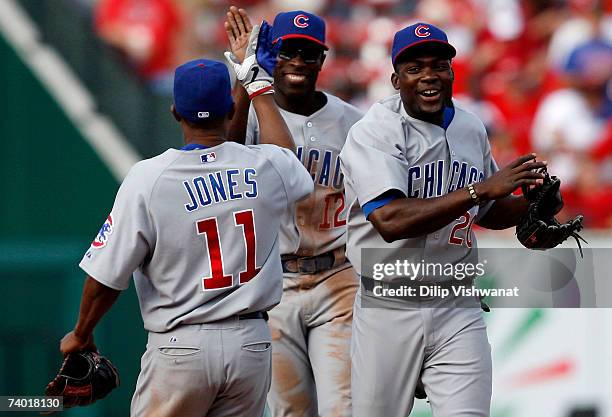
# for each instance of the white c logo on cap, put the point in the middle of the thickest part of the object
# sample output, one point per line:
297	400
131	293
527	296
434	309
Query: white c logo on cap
422	31
301	21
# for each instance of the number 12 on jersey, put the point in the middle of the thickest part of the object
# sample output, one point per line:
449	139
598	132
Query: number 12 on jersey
210	227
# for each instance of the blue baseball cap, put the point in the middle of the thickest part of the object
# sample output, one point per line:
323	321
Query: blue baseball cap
590	59
420	34
299	24
202	90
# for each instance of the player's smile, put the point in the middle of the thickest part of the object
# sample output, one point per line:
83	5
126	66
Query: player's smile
295	78
298	66
430	95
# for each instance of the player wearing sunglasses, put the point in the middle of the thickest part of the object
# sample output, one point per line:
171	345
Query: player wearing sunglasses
311	327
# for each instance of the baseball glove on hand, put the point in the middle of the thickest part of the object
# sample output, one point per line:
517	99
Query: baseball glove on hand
84	378
259	60
539	229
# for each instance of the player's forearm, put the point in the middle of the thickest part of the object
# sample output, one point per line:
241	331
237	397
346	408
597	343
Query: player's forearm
96	300
272	126
504	213
413	217
238	124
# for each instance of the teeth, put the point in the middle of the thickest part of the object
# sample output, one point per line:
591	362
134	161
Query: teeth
430	92
295	77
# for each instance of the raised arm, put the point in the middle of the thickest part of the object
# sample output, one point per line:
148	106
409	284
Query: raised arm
248	45
238	29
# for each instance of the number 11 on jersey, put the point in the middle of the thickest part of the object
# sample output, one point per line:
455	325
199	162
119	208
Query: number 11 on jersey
210	227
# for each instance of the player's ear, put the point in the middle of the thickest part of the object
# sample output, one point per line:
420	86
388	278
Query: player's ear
177	116
323	56
452	74
395	80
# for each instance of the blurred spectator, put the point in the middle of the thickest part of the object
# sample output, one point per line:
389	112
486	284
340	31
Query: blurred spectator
570	122
587	20
493	119
588	196
145	31
573	131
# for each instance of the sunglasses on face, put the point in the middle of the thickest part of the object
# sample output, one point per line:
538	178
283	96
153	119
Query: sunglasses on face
309	56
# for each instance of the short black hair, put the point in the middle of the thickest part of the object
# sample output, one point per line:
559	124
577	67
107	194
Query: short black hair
211	123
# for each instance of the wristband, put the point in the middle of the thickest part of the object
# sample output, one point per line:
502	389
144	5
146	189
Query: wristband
265	90
473	194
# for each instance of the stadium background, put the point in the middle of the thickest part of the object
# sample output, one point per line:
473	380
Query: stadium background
82	100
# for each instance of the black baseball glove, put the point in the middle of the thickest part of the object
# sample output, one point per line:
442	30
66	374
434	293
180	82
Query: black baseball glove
84	378
539	229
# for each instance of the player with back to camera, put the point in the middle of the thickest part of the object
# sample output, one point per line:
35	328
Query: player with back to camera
311	326
198	227
419	173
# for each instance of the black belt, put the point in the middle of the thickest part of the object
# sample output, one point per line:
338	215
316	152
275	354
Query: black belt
254	315
308	264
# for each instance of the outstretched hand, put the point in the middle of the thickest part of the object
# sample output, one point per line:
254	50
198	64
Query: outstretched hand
517	173
238	28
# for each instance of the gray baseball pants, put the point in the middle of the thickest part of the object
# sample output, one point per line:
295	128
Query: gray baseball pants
219	369
445	346
311	331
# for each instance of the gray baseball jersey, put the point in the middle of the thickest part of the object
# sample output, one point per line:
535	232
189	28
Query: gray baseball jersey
199	231
389	150
316	224
311	327
444	346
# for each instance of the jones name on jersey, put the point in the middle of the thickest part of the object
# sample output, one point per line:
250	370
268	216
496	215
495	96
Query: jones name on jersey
220	186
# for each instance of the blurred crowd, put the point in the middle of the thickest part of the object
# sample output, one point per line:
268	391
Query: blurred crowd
537	72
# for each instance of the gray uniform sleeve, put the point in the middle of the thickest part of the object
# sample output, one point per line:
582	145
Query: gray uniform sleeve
125	239
252	130
296	179
373	159
490	168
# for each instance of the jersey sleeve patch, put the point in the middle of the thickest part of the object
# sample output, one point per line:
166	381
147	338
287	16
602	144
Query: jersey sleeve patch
103	235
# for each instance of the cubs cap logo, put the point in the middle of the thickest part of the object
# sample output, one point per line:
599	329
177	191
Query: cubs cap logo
301	21
301	25
422	31
105	231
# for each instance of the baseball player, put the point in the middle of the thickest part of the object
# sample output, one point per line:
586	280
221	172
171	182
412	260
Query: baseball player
419	172
311	327
198	228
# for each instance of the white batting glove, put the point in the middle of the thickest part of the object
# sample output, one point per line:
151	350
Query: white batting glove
251	75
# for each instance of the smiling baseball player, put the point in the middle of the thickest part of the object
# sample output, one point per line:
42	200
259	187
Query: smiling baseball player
312	325
198	228
419	173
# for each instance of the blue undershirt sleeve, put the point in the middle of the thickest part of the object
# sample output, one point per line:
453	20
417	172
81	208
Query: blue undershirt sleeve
382	200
